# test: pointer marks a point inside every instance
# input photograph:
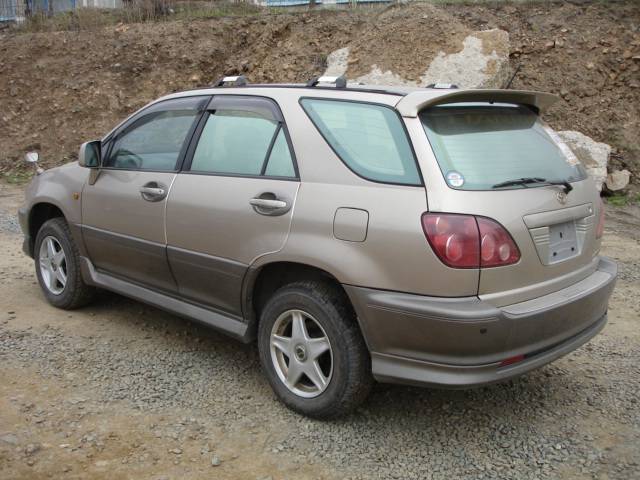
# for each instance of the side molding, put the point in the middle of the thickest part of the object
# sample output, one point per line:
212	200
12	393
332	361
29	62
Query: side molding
233	327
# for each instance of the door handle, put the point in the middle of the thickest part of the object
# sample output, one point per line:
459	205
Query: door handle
269	204
153	191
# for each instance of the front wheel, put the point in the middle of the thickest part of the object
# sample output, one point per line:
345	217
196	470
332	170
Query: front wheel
312	350
58	266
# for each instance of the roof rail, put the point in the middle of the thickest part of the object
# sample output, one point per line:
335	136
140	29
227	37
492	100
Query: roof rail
340	82
237	81
444	86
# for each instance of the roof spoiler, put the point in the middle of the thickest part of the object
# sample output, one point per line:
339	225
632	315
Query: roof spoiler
414	102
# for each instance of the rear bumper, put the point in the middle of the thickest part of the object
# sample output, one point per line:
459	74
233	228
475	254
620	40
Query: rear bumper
461	342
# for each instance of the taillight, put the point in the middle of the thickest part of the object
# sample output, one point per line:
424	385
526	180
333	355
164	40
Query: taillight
497	248
465	241
454	238
600	227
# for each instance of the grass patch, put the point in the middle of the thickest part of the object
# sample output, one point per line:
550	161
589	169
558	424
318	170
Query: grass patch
619	199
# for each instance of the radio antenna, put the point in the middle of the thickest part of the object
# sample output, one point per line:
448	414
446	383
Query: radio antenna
506	87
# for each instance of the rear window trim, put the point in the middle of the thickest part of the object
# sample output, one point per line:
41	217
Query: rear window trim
490	190
364	102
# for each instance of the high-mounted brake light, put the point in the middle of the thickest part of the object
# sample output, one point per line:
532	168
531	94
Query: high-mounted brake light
600	227
465	241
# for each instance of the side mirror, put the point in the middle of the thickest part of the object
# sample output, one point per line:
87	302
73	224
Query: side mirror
32	158
90	154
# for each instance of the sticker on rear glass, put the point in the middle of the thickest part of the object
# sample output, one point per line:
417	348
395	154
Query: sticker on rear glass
455	179
569	156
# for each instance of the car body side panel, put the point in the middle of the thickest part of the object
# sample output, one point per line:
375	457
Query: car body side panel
57	186
395	254
62	187
213	233
123	233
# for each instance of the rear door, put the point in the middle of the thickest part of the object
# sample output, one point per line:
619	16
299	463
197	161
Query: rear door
123	211
233	201
474	148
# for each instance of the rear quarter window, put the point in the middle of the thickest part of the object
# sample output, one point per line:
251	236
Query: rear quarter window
370	139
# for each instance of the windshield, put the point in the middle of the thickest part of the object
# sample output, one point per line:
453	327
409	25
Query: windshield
479	145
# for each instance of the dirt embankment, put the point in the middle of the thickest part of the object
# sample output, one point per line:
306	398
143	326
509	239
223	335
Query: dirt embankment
59	89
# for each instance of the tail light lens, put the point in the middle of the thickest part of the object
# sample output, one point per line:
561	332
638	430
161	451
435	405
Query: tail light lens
600	227
454	238
497	248
465	241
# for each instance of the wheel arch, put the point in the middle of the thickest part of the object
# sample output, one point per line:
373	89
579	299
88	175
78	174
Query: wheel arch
38	214
261	282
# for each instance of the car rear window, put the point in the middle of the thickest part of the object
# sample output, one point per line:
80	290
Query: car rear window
369	138
480	145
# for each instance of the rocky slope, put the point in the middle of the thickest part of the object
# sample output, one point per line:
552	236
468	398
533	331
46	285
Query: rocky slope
59	89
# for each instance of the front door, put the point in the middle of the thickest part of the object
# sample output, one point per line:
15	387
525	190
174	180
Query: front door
233	201
123	211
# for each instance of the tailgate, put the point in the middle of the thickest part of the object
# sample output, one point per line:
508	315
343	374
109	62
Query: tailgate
540	227
472	150
557	243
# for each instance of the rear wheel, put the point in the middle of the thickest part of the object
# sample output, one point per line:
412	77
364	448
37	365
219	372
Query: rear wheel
312	350
57	263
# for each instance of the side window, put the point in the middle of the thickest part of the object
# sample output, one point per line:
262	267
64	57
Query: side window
243	140
280	164
154	141
369	138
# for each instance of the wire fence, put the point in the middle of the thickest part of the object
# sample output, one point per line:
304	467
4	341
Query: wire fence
18	10
12	10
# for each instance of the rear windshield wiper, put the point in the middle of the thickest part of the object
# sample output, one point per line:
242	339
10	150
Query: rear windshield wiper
534	180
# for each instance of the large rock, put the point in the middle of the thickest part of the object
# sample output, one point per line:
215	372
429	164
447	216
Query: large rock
482	63
618	180
430	46
593	155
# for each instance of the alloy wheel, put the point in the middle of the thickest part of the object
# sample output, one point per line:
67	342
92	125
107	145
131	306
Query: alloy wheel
53	265
301	353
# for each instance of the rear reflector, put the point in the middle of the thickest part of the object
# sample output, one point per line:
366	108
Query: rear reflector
465	241
512	360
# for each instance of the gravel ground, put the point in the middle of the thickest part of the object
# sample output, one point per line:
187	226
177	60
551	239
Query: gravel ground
120	389
9	223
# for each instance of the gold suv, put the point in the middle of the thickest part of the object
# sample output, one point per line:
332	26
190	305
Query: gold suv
437	236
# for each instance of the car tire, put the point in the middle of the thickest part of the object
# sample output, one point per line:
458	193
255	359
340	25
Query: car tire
339	378
56	253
